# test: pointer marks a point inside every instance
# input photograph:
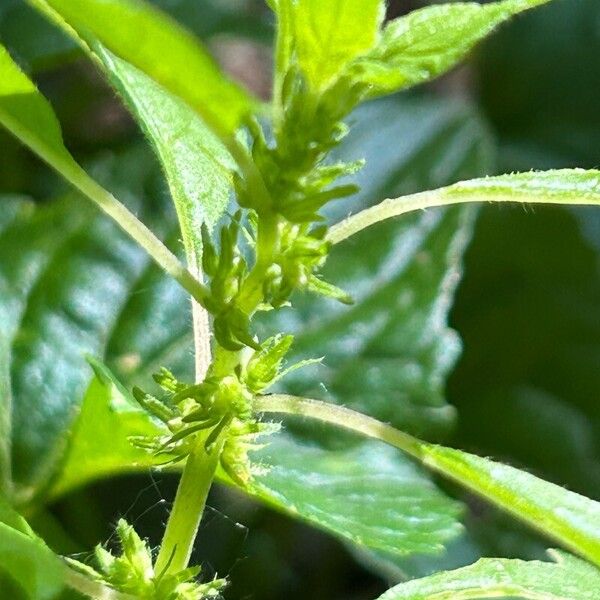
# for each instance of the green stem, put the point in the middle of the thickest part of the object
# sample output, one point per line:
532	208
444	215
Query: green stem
184	520
342	417
67	167
283	51
454	194
139	233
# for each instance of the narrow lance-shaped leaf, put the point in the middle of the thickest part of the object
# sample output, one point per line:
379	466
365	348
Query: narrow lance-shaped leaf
328	35
568	578
151	41
197	167
571	519
428	42
562	186
27	114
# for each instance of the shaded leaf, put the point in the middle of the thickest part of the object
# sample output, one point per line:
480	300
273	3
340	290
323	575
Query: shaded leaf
544	112
61	296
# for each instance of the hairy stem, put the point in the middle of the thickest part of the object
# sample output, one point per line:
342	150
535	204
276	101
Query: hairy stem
394	207
184	520
198	473
342	417
138	231
64	164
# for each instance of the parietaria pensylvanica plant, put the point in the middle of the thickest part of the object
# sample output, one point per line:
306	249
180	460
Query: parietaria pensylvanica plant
329	58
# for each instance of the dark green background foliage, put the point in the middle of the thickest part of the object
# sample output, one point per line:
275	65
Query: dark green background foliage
526	385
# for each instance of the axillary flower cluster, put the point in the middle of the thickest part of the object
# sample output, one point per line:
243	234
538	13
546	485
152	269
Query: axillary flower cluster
273	246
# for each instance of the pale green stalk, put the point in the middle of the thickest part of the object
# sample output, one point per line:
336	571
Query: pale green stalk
341	417
394	207
74	174
184	520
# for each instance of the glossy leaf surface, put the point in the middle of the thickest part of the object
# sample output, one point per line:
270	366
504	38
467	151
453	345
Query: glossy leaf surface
146	325
367	494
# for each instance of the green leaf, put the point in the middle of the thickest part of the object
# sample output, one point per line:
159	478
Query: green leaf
61	297
388	362
367	494
567	579
140	34
571	519
142	319
565	516
27	114
26	559
197	167
428	42
328	35
99	442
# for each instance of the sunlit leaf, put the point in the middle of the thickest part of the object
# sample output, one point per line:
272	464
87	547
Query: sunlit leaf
196	165
328	35
367	494
565	516
163	50
428	42
567	579
26	559
100	438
